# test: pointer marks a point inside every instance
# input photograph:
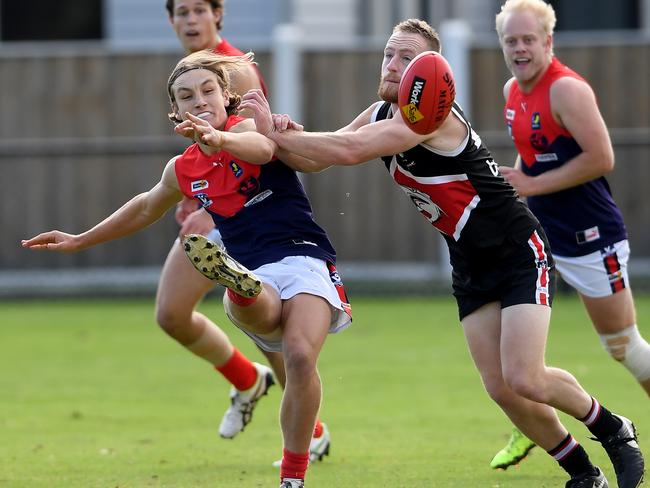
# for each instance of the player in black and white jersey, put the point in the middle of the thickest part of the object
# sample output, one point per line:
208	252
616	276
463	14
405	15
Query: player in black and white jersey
499	253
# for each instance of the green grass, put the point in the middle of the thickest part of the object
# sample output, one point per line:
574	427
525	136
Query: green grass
92	394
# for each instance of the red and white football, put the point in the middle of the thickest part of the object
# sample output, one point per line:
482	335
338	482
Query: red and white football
426	92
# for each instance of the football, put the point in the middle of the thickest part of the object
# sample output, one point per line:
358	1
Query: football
426	92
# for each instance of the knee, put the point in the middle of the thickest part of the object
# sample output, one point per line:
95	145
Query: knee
497	390
629	348
299	363
170	319
527	385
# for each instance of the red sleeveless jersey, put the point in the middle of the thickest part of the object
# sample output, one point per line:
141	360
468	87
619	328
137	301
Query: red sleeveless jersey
529	117
578	220
262	211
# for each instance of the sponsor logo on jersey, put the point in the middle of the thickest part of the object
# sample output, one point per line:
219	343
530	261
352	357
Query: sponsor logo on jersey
199	185
236	169
403	161
536	121
510	114
249	187
588	235
204	199
546	157
538	141
258	198
424	204
300	242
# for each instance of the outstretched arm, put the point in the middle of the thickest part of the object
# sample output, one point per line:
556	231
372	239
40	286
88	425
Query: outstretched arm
355	143
242	139
139	212
350	147
255	103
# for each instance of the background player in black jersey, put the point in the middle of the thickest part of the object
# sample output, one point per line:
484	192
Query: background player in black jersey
563	156
198	25
502	276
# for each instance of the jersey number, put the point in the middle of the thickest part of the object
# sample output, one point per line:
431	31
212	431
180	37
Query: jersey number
494	167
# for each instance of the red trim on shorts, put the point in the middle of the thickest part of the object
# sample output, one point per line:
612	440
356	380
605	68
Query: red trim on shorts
340	289
613	268
541	258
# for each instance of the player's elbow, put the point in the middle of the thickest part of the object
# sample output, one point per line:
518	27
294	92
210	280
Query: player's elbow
608	160
601	161
605	162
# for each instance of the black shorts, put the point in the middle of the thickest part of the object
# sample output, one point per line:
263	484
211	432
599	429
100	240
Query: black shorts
513	273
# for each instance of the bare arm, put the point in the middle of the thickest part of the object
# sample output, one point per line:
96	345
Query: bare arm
574	105
355	143
346	148
139	212
242	140
243	80
267	123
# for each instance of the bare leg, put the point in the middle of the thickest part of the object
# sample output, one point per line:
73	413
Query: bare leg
180	289
306	320
276	361
611	315
523	344
483	333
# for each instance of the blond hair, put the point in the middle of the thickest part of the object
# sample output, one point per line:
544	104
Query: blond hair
218	64
542	11
420	27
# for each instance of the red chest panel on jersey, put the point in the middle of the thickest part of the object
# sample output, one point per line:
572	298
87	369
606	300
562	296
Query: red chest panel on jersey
221	183
530	119
445	201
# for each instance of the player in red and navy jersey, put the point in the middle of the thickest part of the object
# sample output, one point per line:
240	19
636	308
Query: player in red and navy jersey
564	152
293	297
198	25
500	257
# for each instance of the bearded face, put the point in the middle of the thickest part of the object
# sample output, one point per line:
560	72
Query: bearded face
387	91
400	49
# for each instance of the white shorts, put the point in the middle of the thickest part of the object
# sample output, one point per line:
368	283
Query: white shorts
215	236
300	274
599	274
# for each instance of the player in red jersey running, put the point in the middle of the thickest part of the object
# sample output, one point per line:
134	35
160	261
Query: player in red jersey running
564	152
502	276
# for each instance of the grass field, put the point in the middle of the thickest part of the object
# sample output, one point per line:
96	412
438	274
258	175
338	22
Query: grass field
94	395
